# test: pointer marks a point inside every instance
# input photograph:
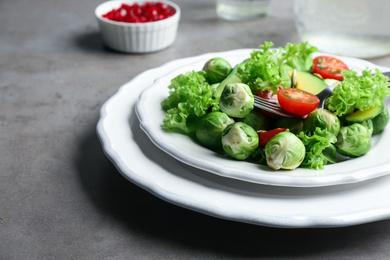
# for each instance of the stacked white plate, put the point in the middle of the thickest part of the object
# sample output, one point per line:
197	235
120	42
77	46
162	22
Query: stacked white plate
176	169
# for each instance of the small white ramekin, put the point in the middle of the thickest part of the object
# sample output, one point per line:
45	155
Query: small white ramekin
137	37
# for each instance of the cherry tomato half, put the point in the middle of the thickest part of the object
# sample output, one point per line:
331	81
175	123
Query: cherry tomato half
265	136
297	101
329	67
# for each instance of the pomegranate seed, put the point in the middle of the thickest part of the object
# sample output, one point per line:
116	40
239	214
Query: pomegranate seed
143	19
135	13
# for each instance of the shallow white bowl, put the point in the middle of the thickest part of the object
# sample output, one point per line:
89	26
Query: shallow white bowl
137	37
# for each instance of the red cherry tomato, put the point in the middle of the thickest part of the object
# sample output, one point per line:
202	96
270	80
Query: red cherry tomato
329	67
265	136
297	101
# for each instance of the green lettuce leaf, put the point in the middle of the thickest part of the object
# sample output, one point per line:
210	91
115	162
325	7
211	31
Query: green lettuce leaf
190	97
299	56
358	93
319	149
266	69
259	156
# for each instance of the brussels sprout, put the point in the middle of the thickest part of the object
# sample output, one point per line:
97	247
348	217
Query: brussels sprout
209	129
236	100
380	121
294	125
217	70
369	125
257	120
323	119
239	140
353	140
285	151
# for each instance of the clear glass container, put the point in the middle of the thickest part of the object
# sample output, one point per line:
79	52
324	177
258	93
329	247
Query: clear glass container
356	28
241	10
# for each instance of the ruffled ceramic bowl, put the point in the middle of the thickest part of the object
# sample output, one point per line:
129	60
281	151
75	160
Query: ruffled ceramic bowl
137	37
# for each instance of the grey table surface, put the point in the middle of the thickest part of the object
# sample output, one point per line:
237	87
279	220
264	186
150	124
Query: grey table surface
61	198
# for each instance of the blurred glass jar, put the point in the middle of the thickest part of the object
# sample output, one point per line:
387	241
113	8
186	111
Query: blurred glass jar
357	28
241	10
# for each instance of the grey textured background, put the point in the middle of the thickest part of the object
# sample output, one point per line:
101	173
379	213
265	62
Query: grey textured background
61	198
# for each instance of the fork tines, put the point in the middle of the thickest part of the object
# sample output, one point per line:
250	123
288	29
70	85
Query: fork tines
272	106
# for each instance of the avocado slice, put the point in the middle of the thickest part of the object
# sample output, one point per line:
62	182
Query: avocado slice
308	82
230	79
360	116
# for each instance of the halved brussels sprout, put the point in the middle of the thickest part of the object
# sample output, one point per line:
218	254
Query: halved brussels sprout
380	121
353	140
216	70
323	119
239	140
236	100
285	151
209	129
257	120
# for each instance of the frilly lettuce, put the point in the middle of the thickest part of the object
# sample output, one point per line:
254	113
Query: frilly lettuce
319	148
190	97
264	70
299	56
267	68
358	93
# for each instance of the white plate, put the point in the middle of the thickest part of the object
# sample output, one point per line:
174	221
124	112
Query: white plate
374	164
145	165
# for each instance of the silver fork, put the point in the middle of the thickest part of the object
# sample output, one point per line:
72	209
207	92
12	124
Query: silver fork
273	106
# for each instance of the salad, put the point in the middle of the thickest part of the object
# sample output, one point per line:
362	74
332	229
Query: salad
215	107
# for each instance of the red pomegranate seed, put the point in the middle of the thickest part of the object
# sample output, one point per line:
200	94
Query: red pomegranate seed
135	13
143	19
